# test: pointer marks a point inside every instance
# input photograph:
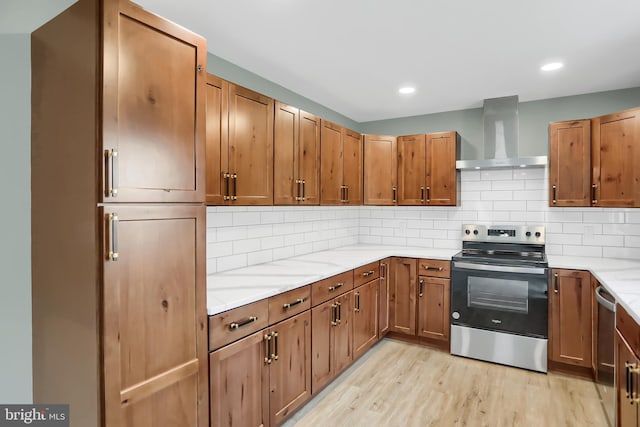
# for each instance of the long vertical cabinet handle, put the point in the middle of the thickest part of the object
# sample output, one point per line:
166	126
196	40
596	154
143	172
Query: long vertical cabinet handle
422	194
113	230
334	315
267	348
383	271
343	194
395	194
111	173
274	353
357	309
227	177
339	316
555	283
346	188
420	288
555	194
298	197
303	185
234	196
626	377
428	194
594	200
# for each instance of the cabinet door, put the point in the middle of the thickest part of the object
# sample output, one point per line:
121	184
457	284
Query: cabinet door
402	296
570	163
250	146
626	407
323	322
286	190
153	109
412	175
217	140
380	170
616	159
441	169
352	169
154	327
331	186
309	155
570	322
290	372
433	307
343	333
383	298
365	317
238	383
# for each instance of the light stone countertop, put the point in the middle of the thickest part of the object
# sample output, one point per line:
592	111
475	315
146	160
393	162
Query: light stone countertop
234	288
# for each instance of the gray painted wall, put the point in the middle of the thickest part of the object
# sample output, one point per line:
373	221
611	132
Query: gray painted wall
15	217
534	116
231	72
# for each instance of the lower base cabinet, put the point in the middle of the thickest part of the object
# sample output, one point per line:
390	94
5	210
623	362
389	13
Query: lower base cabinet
261	379
434	295
365	317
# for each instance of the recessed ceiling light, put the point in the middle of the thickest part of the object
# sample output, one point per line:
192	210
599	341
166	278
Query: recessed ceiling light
406	90
551	66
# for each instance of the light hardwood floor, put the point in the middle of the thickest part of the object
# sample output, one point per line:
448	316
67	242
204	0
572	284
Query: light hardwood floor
400	384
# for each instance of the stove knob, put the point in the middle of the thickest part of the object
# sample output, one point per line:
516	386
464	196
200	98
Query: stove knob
455	315
475	232
528	234
467	232
537	234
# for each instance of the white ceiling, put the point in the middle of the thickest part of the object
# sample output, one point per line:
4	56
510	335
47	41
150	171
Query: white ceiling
353	55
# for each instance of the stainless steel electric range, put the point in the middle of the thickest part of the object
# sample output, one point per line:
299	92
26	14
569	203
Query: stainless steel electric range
499	285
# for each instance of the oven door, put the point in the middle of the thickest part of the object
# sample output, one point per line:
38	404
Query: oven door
500	297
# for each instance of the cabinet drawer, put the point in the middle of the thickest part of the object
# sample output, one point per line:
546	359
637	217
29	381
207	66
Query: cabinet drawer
331	287
289	304
237	323
628	328
366	273
434	267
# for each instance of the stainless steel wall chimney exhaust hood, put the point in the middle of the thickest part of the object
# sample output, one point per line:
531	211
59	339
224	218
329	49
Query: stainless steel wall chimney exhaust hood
500	120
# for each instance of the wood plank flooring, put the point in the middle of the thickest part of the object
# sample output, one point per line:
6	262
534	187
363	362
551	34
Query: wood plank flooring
401	384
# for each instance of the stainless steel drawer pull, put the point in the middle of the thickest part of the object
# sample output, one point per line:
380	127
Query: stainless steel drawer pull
113	227
236	325
111	173
288	305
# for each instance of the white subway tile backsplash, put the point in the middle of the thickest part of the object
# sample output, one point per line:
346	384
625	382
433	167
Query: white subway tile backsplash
246	235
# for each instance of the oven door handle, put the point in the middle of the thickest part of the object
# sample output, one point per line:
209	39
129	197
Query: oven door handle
603	301
500	268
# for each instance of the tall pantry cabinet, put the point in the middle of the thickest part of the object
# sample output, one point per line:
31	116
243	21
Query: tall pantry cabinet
118	232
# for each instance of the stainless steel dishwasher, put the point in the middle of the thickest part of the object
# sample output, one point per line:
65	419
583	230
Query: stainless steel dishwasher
605	357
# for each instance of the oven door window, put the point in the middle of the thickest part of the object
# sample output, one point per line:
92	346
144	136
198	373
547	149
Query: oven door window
498	294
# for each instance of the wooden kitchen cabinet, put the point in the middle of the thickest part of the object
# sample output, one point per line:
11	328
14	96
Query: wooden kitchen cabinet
340	165
383	297
239	392
239	141
433	307
331	339
290	368
570	330
118	260
595	162
402	296
616	159
570	163
296	156
365	317
427	169
627	367
380	170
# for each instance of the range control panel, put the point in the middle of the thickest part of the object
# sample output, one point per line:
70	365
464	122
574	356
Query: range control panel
533	234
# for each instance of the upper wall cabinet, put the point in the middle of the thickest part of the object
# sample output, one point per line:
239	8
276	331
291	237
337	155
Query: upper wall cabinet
152	110
595	162
427	169
380	170
240	123
570	163
616	159
296	163
340	165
